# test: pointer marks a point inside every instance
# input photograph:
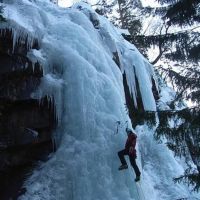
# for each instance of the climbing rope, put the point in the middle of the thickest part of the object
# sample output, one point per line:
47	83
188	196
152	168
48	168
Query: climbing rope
138	187
139	184
138	193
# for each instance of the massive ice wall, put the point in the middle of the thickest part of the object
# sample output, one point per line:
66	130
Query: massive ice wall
83	58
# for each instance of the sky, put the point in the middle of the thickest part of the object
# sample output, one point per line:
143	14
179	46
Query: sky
66	3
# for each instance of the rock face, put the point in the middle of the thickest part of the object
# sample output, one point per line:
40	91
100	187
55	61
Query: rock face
26	124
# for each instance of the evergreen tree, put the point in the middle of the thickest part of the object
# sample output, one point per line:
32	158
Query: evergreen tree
180	50
127	18
180	53
104	8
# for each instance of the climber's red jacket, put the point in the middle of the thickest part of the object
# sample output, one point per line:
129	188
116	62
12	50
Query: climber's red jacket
130	144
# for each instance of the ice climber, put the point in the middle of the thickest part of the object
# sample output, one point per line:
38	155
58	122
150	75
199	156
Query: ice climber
131	152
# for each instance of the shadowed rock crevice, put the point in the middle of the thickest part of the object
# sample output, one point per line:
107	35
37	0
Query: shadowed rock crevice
137	114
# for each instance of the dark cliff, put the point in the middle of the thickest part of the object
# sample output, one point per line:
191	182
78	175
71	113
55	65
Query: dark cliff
26	123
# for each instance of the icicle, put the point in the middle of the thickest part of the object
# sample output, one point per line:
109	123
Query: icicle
19	35
14	36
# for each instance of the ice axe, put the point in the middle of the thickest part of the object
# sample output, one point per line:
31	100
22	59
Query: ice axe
118	123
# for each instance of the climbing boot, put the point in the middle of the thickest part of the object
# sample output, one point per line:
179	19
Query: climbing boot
137	178
123	167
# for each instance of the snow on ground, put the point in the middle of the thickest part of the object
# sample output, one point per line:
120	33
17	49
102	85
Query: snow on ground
159	167
87	84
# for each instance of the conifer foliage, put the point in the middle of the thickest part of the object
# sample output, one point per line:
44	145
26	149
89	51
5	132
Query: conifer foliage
125	9
180	51
127	19
181	12
178	42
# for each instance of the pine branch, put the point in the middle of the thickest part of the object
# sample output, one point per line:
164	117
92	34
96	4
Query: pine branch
186	81
192	178
183	12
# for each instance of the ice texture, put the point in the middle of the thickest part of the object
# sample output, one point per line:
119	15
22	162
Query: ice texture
76	52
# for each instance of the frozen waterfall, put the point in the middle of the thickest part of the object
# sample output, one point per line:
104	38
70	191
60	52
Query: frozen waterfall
77	47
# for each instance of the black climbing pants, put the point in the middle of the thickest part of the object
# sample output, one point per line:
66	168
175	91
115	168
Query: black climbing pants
132	159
